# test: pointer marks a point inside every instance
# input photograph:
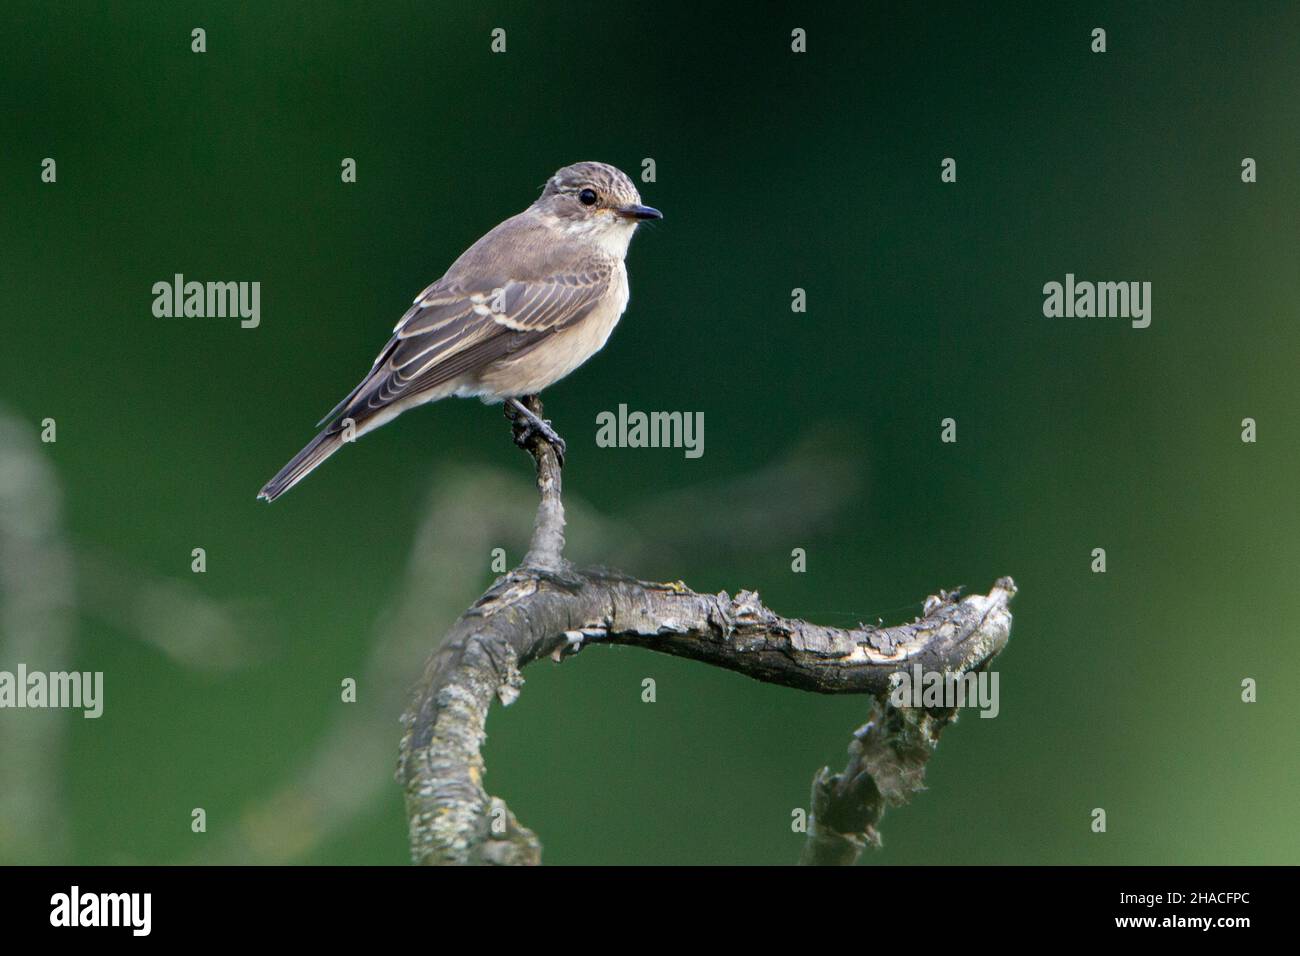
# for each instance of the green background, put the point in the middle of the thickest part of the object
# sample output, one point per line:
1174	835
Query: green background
774	170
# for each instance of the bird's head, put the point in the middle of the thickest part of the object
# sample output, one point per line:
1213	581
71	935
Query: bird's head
595	200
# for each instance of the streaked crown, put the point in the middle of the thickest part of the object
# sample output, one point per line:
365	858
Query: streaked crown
612	186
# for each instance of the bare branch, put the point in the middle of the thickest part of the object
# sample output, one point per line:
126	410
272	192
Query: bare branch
37	624
547	549
886	766
545	607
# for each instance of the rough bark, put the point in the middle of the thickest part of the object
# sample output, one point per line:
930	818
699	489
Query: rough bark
546	607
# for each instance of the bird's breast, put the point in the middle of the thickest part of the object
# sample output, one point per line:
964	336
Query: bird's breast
563	352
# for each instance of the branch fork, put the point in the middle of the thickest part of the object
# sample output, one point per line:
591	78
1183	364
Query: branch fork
546	607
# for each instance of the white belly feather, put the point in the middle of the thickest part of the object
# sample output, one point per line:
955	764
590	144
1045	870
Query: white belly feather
561	354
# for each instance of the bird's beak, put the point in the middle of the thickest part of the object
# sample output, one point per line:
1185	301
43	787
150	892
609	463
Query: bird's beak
639	212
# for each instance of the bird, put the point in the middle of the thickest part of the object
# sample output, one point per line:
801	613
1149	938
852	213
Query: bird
520	309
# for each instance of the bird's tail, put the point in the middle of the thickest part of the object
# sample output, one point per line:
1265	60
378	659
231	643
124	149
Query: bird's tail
303	463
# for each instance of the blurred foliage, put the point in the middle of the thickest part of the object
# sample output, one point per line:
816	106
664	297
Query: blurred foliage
775	171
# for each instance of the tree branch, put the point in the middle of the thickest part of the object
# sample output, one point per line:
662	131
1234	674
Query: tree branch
546	607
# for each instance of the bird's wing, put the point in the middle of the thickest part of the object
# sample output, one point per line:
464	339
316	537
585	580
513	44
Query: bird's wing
458	325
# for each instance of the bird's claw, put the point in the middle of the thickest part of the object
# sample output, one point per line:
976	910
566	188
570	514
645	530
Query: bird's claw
528	431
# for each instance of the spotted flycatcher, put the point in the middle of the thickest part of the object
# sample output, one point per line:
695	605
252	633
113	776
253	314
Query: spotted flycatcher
520	309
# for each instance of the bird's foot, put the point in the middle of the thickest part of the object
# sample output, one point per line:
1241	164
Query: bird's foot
528	428
527	432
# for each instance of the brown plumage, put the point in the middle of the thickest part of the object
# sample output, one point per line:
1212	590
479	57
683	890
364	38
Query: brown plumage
521	308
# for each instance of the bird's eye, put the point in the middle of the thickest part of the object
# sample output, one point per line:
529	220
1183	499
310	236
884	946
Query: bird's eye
587	197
